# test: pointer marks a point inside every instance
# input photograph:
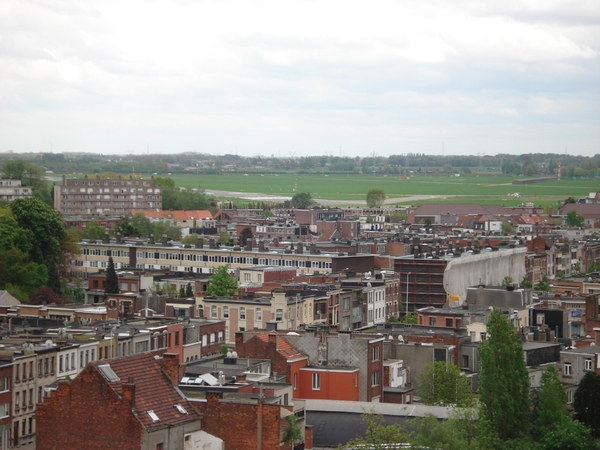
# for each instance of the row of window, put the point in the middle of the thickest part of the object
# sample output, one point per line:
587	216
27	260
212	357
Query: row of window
242	313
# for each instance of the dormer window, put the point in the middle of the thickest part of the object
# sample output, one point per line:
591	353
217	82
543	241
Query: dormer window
153	416
180	408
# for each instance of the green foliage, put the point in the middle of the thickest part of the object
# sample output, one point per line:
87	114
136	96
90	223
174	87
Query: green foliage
574	219
507	227
503	379
393	319
112	280
410	318
190	239
93	230
224	349
543	285
443	384
221	283
378	434
188	290
526	283
401	215
178	199
551	407
164	289
245	235
30	175
567	435
375	198
586	404
292	432
45	296
141	225
46	233
302	200
125	227
224	237
507	281
167	228
267	213
164	182
181	292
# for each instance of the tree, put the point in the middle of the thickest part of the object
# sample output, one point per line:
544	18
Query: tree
444	384
503	379
188	290
245	235
574	219
93	230
507	281
141	225
112	280
567	435
378	435
292	432
375	198
302	200
526	283
44	296
181	292
221	283
224	349
46	232
507	227
551	407
543	284
267	213
125	227
586	404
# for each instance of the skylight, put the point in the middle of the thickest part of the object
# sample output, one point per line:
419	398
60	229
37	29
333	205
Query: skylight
153	416
107	371
180	408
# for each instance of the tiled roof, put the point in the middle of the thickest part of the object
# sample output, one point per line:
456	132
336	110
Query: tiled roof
175	215
284	348
458	209
154	391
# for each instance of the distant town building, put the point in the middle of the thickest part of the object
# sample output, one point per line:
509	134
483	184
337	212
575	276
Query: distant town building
11	190
95	197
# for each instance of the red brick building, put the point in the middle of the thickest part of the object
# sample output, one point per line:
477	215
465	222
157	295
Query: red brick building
6	375
127	403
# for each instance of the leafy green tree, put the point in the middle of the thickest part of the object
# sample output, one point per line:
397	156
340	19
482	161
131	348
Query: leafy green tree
543	285
526	283
47	235
190	239
586	403
166	227
245	235
567	435
410	318
221	284
188	291
507	281
224	349
125	227
378	435
30	175
574	219
267	213
302	200
506	227
443	384
224	237
93	230
551	407
503	379
112	280
375	198
181	292
142	225
292	432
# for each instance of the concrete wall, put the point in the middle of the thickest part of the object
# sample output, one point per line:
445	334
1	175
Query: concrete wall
488	268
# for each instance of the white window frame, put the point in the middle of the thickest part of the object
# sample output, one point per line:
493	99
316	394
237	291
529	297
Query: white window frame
316	381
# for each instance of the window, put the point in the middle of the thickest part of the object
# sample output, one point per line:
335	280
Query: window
279	314
483	336
465	360
316	381
375	353
258	315
4	384
295	381
448	321
123	286
588	364
226	312
432	321
569	396
213	312
375	378
4	410
567	369
242	313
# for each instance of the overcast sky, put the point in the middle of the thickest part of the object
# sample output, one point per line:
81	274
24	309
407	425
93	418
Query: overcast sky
300	77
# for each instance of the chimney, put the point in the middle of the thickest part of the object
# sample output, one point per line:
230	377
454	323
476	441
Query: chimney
261	246
171	366
118	238
211	244
106	239
151	241
200	242
128	390
597	336
273	339
248	246
164	241
299	248
213	397
313	249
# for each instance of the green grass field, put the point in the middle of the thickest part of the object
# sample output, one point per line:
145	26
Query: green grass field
487	189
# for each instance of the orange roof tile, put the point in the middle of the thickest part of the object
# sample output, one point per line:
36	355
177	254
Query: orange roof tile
154	390
284	348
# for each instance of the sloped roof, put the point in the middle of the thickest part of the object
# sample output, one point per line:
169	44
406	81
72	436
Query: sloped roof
154	391
460	209
284	348
587	210
201	214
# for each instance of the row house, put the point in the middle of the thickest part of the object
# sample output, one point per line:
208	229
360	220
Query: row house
241	314
202	338
190	219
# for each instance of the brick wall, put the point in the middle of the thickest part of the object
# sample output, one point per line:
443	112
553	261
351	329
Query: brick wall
240	425
255	348
85	413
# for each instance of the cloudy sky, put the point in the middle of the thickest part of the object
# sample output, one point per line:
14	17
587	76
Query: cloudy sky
300	77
